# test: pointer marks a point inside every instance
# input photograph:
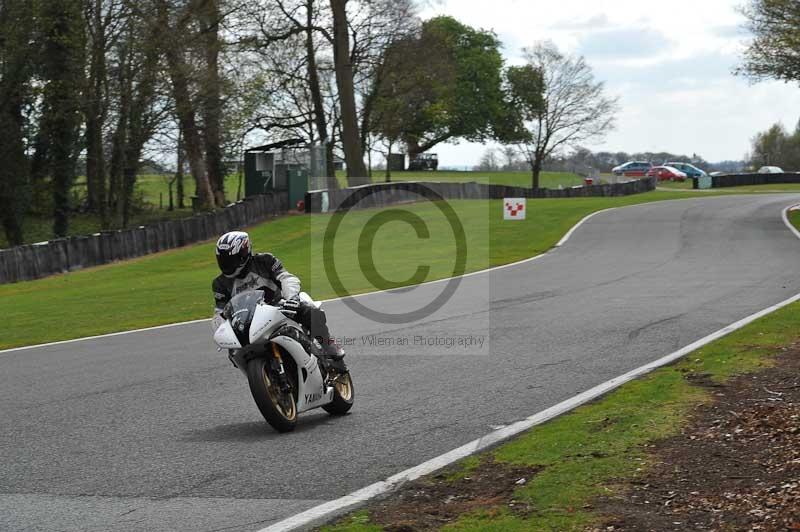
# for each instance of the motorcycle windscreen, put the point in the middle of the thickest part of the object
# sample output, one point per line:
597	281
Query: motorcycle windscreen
240	311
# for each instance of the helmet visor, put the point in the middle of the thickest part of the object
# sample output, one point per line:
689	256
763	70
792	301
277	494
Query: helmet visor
228	264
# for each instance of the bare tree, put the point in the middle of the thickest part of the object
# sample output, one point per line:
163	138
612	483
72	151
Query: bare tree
209	16
351	139
293	40
510	158
105	19
488	162
179	71
573	107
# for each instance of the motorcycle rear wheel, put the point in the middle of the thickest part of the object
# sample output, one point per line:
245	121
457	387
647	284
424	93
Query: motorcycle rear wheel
278	408
343	394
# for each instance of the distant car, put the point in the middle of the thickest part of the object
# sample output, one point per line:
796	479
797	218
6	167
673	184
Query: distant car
770	170
424	161
689	169
715	174
666	173
633	169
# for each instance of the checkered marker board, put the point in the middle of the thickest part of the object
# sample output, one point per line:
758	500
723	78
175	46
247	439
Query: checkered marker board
514	208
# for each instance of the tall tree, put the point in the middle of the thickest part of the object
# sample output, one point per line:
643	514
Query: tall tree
62	65
456	94
295	27
101	16
317	98
573	107
209	17
179	72
351	140
16	20
145	113
774	52
770	147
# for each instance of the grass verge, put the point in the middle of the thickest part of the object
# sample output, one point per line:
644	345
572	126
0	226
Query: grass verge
596	450
794	218
175	285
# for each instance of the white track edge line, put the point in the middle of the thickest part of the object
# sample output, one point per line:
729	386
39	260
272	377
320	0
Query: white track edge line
322	512
190	322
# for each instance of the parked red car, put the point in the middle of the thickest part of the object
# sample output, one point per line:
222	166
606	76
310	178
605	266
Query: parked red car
666	173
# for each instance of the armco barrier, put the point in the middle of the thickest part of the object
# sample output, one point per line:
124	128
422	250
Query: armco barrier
381	194
741	180
24	263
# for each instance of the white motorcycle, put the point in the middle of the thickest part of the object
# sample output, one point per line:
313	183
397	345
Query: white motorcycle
285	366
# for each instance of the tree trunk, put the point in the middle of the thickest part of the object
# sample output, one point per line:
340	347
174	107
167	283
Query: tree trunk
16	27
117	166
210	16
356	171
537	170
40	162
171	198
179	172
14	170
184	108
320	120
95	116
388	164
64	41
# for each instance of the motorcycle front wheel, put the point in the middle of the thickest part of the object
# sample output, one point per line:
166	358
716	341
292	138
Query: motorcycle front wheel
277	407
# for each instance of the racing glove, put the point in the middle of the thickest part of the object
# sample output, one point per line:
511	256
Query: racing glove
290	307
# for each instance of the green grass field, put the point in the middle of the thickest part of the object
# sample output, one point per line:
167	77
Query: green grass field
794	218
151	192
600	447
175	285
154	188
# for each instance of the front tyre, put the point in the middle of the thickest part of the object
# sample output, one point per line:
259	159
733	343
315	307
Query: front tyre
343	394
277	407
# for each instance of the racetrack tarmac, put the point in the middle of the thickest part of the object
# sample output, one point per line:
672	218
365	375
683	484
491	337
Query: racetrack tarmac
156	430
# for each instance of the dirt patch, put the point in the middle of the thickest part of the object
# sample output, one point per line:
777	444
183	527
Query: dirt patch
735	467
429	504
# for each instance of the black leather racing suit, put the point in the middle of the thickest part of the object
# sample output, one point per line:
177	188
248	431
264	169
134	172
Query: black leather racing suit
266	272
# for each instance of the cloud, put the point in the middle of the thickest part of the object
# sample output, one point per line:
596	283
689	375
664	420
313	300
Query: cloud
624	43
594	23
667	73
730	31
670	62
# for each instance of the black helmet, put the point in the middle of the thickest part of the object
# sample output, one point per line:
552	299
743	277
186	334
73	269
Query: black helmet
233	252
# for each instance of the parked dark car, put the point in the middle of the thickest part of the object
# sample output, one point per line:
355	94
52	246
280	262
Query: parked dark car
424	161
633	169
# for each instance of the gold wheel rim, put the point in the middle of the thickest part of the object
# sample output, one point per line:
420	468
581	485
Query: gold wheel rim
275	395
344	386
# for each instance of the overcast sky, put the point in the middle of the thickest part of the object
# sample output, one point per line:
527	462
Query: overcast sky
669	61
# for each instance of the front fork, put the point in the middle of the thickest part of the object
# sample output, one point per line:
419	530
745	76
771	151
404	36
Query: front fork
277	368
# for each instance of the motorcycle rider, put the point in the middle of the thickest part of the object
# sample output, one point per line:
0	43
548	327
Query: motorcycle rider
242	270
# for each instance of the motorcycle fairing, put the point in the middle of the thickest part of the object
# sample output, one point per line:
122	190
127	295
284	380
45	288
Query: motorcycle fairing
311	389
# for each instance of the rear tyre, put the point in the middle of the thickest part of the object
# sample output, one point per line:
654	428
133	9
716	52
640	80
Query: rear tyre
277	407
343	394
